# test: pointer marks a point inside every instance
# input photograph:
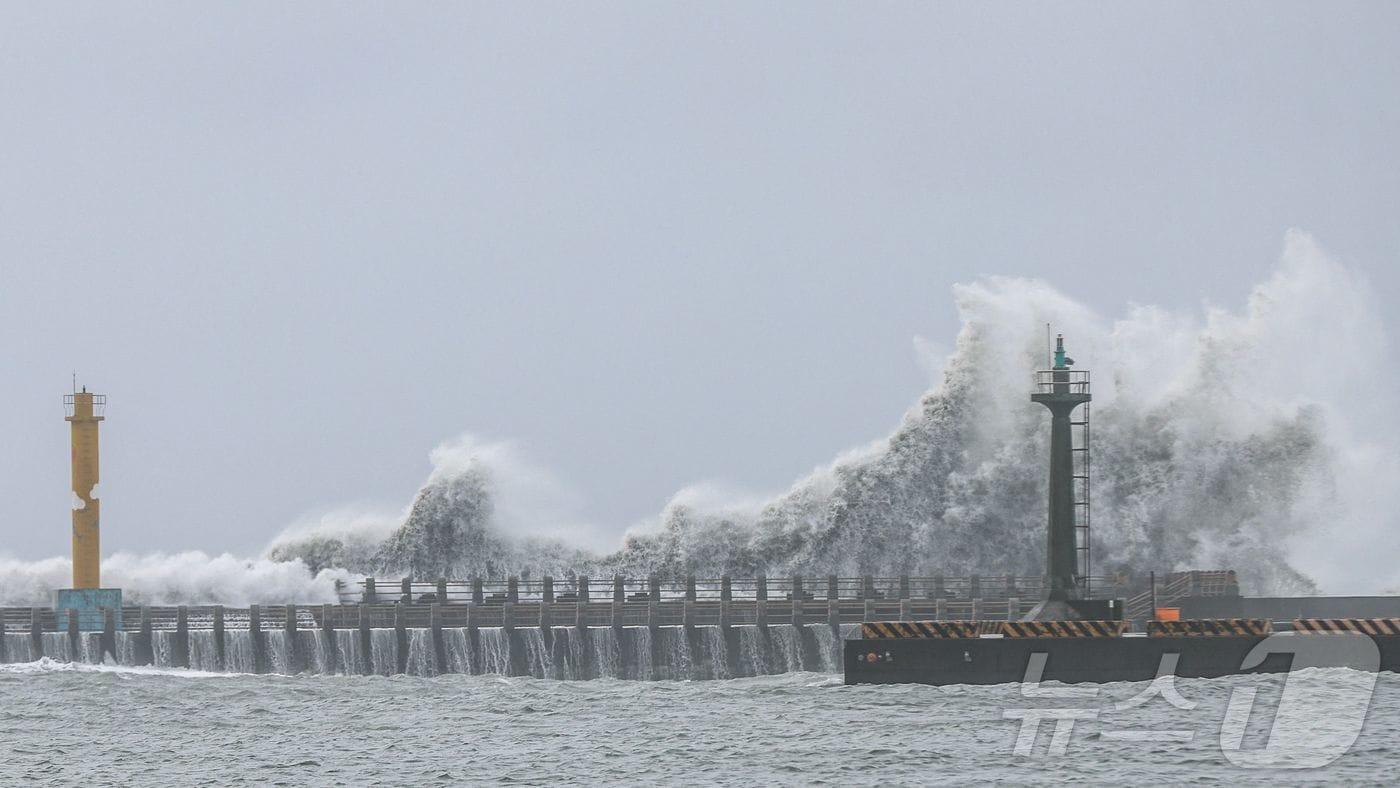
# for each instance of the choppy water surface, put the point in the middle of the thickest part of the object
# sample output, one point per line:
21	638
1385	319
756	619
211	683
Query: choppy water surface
93	724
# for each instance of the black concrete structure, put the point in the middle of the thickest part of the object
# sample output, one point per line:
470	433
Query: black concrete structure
1089	660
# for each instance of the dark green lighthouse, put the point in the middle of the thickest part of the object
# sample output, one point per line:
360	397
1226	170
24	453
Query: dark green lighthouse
1062	389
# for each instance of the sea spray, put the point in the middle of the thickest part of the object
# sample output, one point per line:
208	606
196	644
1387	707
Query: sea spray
539	662
163	648
607	657
495	651
384	651
787	646
753	652
718	652
349	652
278	652
238	652
57	646
19	647
457	646
828	647
1215	446
422	661
204	653
1211	451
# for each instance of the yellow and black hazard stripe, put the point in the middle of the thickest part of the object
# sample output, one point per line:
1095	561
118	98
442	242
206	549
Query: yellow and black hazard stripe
1207	627
1063	629
1364	626
892	630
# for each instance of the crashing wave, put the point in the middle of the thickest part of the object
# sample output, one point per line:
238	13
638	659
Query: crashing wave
1210	450
1261	440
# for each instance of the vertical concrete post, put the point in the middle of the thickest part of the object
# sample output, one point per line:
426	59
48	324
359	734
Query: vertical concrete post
654	588
974	587
581	608
904	585
400	640
478	593
512	590
690	594
366	666
869	614
617	614
442	590
724	614
75	638
619	592
906	612
4	653
369	597
797	587
688	614
976	609
761	591
652	615
182	637
256	639
833	588
760	612
546	616
867	586
548	589
435	628
1013	609
220	651
940	609
295	659
507	616
726	588
145	642
327	636
36	632
833	613
109	634
406	591
1011	589
797	620
940	589
470	623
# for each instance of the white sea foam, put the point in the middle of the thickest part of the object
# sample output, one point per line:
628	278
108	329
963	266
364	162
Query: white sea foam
177	578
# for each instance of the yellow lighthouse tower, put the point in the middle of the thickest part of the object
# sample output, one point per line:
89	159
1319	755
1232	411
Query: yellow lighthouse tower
84	414
87	598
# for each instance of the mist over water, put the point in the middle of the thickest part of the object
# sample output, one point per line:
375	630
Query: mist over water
1256	439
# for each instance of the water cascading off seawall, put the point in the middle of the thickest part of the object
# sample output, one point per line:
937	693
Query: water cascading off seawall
560	653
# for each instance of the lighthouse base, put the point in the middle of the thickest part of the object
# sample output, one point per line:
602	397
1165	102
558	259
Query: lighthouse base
87	604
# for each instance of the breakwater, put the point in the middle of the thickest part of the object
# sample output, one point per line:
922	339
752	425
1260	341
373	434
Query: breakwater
616	628
554	652
514	633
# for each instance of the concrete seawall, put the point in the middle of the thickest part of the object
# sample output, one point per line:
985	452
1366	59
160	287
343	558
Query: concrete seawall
579	640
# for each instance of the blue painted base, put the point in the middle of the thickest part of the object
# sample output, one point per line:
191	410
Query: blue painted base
88	602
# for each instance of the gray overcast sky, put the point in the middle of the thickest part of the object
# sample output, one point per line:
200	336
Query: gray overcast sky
298	245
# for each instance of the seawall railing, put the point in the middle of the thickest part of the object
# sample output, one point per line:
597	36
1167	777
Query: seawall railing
658	589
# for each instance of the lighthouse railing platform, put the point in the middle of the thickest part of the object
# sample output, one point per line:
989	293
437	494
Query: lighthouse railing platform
1061	381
